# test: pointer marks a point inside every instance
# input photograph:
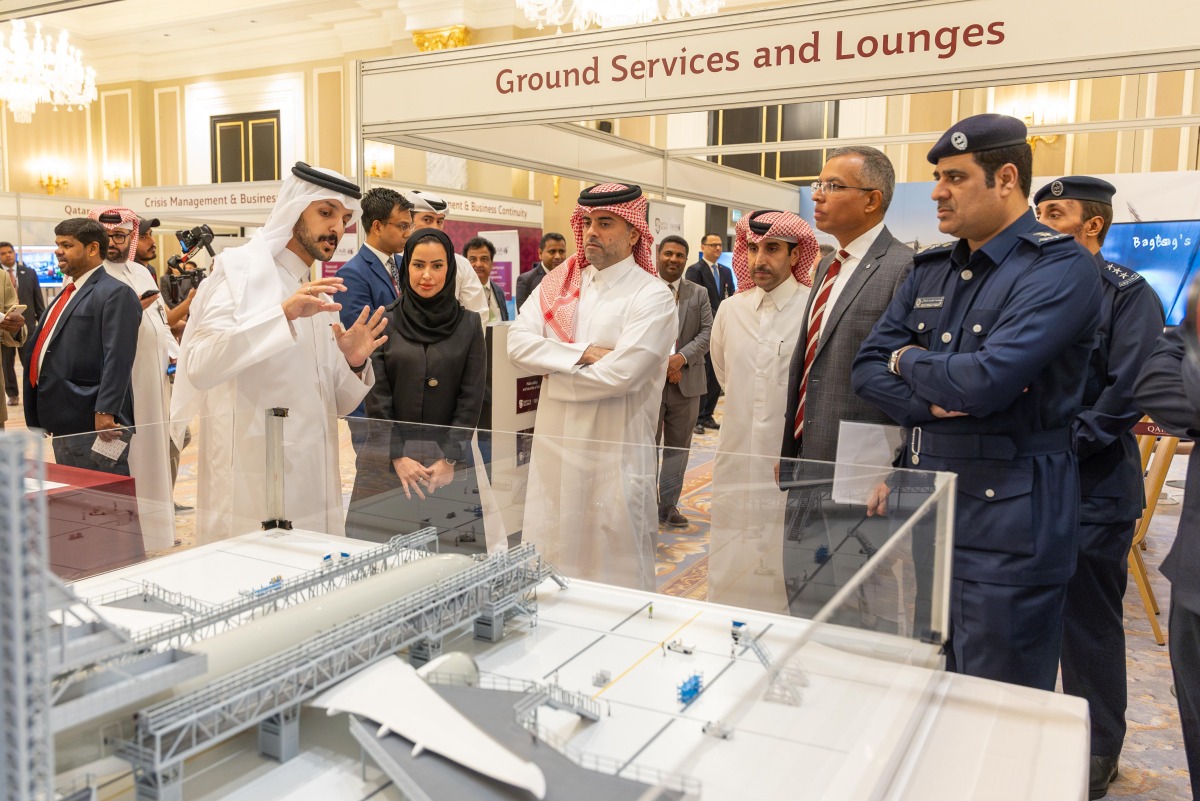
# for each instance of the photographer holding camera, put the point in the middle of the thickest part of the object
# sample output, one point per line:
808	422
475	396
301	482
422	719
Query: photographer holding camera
179	283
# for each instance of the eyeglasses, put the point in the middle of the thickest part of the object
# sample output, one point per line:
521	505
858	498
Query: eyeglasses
829	187
118	236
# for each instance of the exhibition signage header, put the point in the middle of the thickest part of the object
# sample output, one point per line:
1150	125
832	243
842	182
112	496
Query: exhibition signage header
481	208
830	49
242	203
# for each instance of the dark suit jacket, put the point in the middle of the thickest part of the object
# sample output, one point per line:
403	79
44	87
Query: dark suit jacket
699	273
695	330
433	385
29	292
367	284
1168	390
500	301
527	282
88	363
830	399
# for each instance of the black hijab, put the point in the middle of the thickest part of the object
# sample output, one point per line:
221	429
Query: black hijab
427	320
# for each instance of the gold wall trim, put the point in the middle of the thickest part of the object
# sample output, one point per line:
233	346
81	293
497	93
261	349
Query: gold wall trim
446	38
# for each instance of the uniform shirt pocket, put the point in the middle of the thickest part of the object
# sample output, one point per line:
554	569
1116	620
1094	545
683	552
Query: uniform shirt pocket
922	323
995	511
977	324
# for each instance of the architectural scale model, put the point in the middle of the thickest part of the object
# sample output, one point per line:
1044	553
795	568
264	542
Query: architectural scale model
210	657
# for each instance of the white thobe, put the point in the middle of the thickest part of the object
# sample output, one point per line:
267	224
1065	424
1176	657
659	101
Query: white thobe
245	368
590	507
753	338
472	295
150	447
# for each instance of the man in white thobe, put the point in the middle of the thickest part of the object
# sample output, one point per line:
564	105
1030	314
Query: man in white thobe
150	446
753	337
262	335
600	329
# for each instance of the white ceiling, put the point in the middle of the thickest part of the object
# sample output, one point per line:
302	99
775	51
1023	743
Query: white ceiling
153	40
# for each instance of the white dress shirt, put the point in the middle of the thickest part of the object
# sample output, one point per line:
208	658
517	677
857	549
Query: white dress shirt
857	249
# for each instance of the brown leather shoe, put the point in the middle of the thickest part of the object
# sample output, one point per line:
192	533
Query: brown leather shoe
13	401
674	519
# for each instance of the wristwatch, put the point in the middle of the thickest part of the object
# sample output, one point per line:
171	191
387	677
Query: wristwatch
449	461
894	361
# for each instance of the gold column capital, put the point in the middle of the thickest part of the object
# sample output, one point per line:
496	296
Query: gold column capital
446	38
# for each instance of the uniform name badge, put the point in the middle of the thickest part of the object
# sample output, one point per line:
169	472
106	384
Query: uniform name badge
929	303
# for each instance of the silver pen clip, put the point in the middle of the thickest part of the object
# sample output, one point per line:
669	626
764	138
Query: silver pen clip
915	445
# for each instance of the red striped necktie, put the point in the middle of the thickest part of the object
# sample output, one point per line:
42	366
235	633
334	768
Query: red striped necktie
60	303
814	333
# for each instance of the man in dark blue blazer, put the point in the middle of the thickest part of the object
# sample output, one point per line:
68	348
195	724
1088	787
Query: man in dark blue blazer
81	361
718	280
369	276
29	292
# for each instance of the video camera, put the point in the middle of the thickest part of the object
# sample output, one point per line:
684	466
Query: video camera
184	281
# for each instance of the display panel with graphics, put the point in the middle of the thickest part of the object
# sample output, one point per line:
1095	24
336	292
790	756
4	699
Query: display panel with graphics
1163	252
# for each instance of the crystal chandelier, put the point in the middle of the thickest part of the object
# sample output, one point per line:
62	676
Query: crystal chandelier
42	71
584	14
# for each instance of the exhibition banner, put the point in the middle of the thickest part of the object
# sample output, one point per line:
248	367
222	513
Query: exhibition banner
506	265
842	48
664	219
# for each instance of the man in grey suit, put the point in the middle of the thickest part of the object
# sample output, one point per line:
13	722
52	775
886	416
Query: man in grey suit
686	381
851	289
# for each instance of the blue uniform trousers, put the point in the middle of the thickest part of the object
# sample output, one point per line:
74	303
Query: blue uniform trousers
1184	641
1006	633
1093	645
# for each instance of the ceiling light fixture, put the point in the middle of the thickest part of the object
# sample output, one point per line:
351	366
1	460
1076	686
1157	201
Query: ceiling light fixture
584	14
42	71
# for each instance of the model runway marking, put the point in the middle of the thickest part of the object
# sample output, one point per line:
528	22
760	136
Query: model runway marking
645	745
639	610
573	656
654	649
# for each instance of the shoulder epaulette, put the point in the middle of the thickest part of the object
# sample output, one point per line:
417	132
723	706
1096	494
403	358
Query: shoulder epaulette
933	251
1120	276
1043	238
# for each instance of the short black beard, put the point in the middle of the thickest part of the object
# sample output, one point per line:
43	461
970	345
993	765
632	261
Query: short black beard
308	241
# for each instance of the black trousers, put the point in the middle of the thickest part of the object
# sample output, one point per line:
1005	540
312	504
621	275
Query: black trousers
1184	642
1093	645
9	356
708	402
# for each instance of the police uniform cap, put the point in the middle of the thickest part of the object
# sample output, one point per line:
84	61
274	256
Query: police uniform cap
312	175
980	132
1077	187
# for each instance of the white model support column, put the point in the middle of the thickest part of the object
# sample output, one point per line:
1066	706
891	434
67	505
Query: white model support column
27	752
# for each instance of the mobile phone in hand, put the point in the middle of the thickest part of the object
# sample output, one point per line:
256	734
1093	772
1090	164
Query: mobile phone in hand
149	293
15	310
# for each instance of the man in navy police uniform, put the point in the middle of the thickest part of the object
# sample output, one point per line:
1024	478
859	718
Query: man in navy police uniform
1110	470
982	355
